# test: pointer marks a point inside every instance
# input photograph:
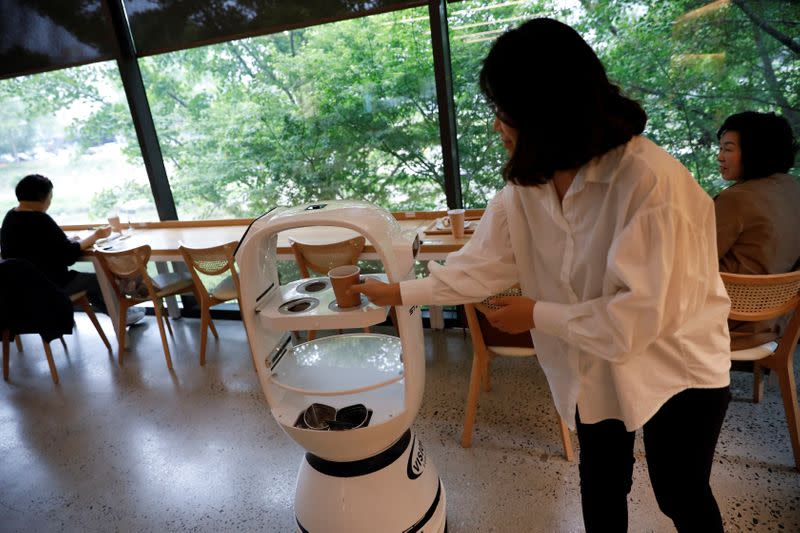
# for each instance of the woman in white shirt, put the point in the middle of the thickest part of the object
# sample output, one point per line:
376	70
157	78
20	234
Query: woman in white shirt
613	244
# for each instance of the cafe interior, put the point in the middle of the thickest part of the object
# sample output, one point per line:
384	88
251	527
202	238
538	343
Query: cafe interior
246	159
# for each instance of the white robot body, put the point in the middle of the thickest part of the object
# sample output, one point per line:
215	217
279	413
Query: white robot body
371	478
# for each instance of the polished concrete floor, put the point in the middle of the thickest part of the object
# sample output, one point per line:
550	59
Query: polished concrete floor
141	449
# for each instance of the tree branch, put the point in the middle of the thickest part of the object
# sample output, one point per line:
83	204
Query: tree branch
271	75
761	23
772	83
657	92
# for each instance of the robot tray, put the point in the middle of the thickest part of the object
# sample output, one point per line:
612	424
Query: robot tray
309	304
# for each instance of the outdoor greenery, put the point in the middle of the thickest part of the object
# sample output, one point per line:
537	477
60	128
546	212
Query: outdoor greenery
348	109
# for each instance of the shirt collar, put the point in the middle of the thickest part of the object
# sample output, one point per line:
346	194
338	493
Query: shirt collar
602	169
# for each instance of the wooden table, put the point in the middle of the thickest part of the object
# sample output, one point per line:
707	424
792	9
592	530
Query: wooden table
166	237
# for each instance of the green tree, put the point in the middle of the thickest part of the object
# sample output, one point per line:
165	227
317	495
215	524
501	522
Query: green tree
348	109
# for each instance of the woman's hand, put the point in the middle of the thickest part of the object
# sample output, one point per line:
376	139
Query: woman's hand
515	316
102	233
99	233
378	292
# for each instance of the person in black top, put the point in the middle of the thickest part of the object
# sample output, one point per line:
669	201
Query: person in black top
28	232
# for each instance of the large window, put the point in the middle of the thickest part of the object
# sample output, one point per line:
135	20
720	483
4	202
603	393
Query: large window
73	126
340	110
690	64
345	109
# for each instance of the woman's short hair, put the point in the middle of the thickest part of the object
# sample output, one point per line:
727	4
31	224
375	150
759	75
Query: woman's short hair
766	140
545	81
33	188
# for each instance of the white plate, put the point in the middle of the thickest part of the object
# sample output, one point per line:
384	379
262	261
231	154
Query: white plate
112	238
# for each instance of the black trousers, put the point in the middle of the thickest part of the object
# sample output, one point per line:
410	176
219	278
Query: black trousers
85	281
679	442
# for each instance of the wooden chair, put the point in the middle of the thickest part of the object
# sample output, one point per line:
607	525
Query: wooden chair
81	299
488	343
47	351
765	297
320	258
127	272
213	261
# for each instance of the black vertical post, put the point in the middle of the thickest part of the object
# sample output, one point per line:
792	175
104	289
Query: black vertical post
443	73
140	112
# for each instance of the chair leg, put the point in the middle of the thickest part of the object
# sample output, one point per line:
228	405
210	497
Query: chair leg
159	318
393	316
64	344
123	318
165	316
758	382
211	325
566	440
472	400
18	341
50	362
6	349
205	321
487	383
87	308
311	335
789	395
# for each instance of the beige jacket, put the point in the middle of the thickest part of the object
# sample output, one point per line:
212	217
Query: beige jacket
758	232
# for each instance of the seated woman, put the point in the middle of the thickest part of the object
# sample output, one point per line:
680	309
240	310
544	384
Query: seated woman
28	232
758	216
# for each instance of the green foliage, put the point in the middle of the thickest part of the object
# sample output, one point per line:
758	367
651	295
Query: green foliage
348	109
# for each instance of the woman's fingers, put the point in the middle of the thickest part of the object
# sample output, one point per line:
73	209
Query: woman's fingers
378	292
514	316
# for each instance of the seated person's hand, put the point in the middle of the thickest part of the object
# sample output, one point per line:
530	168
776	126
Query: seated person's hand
515	315
102	233
378	292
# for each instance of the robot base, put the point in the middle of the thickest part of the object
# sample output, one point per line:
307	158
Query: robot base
398	490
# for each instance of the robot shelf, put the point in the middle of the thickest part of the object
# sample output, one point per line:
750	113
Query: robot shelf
309	304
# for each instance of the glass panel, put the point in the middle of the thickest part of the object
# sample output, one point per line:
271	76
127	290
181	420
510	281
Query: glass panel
341	363
74	127
474	25
40	35
690	68
163	25
338	111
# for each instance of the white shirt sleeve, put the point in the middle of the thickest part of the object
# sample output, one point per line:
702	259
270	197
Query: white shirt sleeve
483	267
657	273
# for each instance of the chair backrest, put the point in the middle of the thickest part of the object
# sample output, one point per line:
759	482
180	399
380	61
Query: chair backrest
31	303
127	270
212	261
762	297
320	258
492	336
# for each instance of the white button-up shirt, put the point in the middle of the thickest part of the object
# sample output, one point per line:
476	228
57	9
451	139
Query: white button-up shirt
630	309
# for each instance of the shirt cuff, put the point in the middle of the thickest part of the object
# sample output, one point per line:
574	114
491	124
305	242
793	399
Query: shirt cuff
417	291
551	318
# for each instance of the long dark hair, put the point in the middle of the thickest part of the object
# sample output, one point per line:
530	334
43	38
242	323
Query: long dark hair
545	81
766	141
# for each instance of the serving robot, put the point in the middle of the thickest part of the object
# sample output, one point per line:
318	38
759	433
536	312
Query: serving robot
363	471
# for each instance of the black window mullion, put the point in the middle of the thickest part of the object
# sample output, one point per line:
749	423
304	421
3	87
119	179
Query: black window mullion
443	74
140	113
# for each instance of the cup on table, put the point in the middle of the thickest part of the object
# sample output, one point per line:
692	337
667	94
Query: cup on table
455	221
116	225
342	278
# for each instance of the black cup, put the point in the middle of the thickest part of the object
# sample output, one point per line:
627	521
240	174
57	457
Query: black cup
353	416
318	416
